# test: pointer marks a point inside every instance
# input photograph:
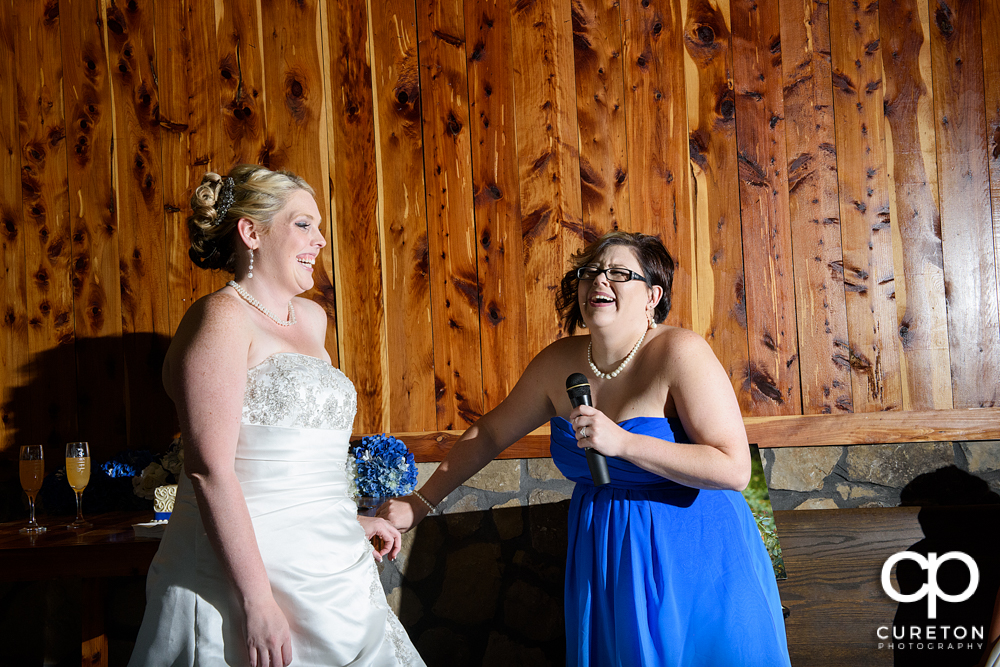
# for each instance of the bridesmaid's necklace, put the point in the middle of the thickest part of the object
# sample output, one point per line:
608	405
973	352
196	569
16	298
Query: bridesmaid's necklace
621	367
259	306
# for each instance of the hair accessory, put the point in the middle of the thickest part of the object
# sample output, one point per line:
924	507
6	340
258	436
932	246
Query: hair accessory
425	501
621	367
250	272
225	200
259	306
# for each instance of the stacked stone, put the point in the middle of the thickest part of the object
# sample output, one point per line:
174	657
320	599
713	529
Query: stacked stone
869	475
482	582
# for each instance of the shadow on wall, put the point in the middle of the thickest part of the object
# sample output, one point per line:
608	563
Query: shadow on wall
960	513
485	587
106	391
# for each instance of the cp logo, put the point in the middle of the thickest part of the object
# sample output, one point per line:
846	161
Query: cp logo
930	589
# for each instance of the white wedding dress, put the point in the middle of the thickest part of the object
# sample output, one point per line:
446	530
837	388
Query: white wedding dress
291	461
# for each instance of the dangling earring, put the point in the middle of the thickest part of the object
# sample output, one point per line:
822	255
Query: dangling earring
652	322
250	272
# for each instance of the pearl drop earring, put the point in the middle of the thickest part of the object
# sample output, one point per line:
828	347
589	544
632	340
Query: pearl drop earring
250	273
652	322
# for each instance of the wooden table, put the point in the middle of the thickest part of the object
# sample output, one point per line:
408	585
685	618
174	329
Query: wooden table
109	549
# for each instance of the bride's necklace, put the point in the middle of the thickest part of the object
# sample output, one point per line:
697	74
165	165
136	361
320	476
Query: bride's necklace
259	306
621	366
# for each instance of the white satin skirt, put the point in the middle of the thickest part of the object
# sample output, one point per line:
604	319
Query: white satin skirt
318	562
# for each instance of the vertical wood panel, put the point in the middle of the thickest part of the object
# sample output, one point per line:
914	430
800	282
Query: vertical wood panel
503	310
141	238
966	225
353	177
814	208
712	148
910	144
771	376
294	109
192	138
48	247
94	219
451	231
600	112
540	124
991	77
656	115
547	156
864	207
396	84
241	72
14	358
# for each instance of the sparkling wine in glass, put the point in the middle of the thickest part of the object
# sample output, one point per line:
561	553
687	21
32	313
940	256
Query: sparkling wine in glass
78	475
32	469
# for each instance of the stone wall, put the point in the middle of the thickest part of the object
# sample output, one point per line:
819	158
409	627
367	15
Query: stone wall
482	582
880	475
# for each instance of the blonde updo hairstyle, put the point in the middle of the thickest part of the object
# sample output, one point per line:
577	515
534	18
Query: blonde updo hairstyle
257	194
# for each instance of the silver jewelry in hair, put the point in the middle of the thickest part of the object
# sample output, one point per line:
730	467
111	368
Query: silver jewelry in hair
250	272
224	201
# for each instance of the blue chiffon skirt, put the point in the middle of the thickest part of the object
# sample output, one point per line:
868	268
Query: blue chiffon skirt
660	574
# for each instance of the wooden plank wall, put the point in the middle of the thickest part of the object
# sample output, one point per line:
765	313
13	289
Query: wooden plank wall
826	174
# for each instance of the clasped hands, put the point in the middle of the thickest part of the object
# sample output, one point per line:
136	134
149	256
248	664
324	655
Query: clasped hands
597	431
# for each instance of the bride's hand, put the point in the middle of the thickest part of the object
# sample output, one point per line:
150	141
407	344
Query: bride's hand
269	641
383	535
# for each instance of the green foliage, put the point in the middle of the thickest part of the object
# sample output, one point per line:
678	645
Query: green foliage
760	504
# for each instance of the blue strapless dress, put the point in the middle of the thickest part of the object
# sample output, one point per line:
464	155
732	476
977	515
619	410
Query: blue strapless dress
661	574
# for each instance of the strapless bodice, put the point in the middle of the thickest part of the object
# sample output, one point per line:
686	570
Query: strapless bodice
572	461
295	390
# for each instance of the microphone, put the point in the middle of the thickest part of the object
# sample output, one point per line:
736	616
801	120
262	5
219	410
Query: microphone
578	390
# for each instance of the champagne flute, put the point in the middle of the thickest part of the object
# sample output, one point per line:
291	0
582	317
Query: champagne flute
32	470
78	475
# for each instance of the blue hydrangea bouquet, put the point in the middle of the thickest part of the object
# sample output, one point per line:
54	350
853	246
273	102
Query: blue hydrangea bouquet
383	468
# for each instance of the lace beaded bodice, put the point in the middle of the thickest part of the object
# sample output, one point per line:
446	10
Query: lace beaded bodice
298	391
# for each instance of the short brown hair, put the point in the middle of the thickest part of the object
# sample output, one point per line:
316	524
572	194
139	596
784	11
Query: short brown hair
657	267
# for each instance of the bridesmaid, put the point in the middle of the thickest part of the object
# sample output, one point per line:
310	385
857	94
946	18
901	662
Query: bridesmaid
666	566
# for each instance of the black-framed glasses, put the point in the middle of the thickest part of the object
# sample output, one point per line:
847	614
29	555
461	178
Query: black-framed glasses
615	274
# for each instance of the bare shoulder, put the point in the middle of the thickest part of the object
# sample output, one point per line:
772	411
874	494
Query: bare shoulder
217	314
309	310
214	329
680	339
313	316
681	348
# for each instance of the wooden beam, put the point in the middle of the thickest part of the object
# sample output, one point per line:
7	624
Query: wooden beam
865	428
795	431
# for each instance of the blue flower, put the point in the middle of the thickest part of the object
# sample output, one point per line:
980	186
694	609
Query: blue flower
385	467
127	464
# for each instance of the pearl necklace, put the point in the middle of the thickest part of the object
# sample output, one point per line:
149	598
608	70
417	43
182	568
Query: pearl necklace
621	367
259	306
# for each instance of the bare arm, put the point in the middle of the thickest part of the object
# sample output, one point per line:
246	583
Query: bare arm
708	410
525	409
205	373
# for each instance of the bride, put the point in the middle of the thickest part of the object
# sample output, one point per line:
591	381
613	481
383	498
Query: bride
265	561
